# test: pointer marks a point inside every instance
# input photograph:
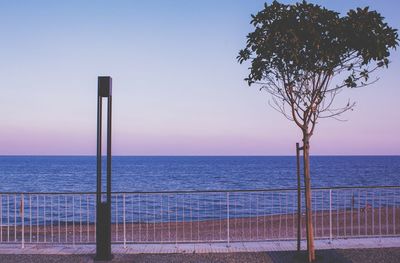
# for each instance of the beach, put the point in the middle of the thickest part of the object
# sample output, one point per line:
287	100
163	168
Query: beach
384	221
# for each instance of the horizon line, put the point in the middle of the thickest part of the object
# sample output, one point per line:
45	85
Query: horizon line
201	155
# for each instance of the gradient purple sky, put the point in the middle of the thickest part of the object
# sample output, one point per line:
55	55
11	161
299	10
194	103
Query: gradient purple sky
178	89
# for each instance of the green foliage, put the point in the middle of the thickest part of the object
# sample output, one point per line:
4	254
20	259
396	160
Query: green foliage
291	41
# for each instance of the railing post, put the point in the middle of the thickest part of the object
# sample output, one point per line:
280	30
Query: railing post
227	217
330	216
298	196
22	221
123	215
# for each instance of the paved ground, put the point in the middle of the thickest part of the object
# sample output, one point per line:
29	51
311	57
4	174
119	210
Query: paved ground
199	248
387	255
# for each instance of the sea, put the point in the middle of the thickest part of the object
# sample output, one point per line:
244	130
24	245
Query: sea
77	174
173	173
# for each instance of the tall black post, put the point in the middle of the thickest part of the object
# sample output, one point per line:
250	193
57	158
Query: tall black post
103	229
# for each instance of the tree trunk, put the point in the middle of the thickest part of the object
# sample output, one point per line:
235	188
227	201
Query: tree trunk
307	184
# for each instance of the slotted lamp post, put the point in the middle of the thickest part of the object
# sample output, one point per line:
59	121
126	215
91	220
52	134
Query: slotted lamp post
103	208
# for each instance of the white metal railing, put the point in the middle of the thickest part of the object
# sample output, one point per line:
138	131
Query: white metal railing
199	216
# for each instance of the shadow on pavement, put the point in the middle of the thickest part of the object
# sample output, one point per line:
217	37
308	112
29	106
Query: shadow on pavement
322	256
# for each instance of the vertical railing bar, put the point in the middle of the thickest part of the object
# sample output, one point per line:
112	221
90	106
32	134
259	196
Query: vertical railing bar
176	220
286	215
394	212
265	214
372	213
1	218
183	217
44	219
218	205
30	218
80	218
162	217
242	209
345	212
22	210
95	217
116	217
315	214
365	212
330	215
294	214
227	218
318	216
257	216
169	218
272	215
387	213
322	214
251	215
280	216
73	220
337	214
352	215
140	221
288	194
190	216
51	219
204	212
235	212
132	215
198	217
358	208
59	218
154	218
123	218
396	204
145	214
15	218
315	203
87	219
213	218
8	218
210	214
147	209
37	218
220	216
380	213
66	219
185	208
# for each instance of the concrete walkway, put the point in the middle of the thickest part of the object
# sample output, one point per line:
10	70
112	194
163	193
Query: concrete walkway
202	247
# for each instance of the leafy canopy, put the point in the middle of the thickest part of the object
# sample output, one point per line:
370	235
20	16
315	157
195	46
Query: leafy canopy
295	50
293	39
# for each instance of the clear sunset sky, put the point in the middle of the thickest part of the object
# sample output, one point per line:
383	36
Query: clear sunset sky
178	89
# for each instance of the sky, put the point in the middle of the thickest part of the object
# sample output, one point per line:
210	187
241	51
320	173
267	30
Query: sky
177	87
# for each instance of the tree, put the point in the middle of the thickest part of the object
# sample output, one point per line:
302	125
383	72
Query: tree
304	55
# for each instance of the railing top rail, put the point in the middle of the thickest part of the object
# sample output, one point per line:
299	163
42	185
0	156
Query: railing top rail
209	191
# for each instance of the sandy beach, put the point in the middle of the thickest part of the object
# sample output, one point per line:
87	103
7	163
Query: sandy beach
345	223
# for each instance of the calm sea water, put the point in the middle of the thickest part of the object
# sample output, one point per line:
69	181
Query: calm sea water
78	173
